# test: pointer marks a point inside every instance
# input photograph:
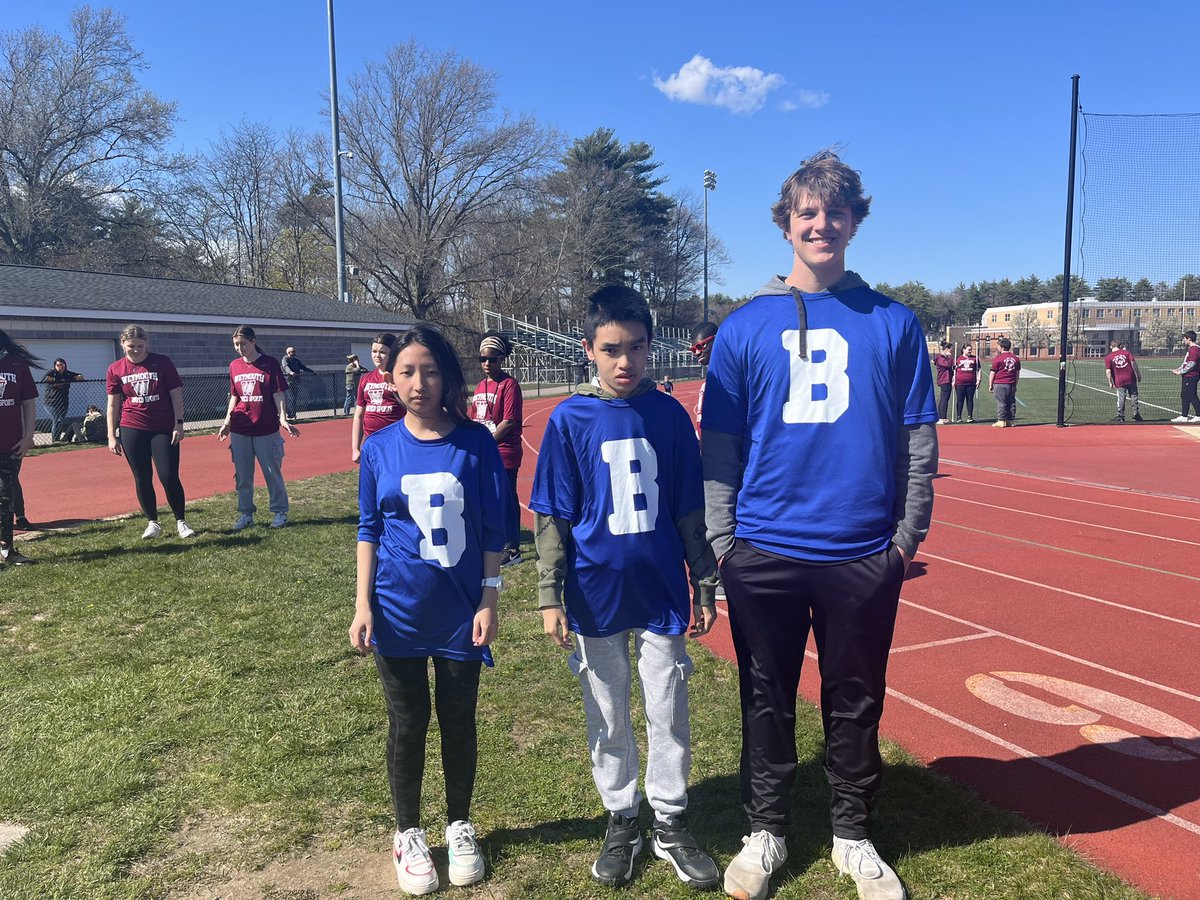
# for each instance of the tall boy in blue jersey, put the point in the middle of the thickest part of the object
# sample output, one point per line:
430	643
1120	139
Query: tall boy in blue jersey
819	455
619	501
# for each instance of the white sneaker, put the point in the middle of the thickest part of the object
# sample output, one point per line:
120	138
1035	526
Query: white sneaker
245	520
1180	419
153	530
184	529
1194	418
279	521
466	862
749	873
414	865
873	877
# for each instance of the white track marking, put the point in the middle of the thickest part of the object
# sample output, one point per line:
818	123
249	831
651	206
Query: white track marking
1123	507
1025	512
1072	481
943	643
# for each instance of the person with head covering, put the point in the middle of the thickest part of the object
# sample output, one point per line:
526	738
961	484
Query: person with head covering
497	405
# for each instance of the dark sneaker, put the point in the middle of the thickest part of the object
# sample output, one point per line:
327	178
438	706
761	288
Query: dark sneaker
511	558
1117	419
674	843
622	844
11	556
1137	417
23	523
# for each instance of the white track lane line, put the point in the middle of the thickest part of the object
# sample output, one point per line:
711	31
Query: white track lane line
943	643
1071	481
1122	507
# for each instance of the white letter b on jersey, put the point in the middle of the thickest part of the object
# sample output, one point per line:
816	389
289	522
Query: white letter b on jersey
633	474
818	387
443	529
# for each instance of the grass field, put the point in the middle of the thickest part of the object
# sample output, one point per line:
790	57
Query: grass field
189	721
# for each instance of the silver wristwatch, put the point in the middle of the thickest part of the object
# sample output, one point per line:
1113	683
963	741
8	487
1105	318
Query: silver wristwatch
497	583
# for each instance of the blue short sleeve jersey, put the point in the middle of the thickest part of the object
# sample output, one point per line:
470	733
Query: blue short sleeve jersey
621	472
433	507
820	434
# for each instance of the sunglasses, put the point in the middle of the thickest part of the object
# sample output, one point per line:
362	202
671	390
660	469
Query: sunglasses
489	359
700	346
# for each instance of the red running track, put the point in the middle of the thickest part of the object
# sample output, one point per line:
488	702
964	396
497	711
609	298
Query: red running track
1046	649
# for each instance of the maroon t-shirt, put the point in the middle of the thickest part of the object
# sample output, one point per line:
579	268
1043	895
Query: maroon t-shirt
1193	356
944	366
16	386
380	404
146	388
494	402
1007	367
966	369
1120	364
255	385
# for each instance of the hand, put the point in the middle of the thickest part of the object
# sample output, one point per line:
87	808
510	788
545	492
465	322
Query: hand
113	446
355	454
362	631
223	432
554	623
23	446
904	556
292	429
486	624
177	434
703	619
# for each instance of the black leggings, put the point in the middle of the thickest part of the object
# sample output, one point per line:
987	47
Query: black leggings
1187	396
406	689
964	392
10	491
943	401
142	447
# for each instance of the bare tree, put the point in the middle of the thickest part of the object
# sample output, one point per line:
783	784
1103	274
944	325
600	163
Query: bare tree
76	132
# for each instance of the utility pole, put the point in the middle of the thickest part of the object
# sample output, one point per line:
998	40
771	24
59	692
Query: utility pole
338	238
710	184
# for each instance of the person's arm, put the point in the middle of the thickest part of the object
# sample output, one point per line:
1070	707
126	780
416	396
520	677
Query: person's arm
721	455
176	395
914	467
1109	375
1137	373
223	431
992	380
356	434
509	408
113	407
486	622
702	570
362	627
28	421
281	404
552	538
77	377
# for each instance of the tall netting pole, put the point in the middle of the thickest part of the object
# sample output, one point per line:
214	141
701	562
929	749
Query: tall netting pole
1066	284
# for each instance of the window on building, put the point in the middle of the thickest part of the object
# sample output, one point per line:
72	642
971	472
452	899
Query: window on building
1118	313
1084	313
1049	315
1099	314
1007	317
1157	313
1137	313
993	317
1170	313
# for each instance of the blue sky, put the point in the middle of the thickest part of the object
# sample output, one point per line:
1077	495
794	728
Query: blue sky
955	112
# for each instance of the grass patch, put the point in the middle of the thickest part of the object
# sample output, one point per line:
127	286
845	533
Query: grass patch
181	718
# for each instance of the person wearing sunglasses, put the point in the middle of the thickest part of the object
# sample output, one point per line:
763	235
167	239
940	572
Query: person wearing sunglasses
703	336
497	405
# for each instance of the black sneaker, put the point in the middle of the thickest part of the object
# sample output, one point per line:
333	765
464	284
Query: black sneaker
23	523
674	843
1137	417
511	558
622	844
1117	419
11	556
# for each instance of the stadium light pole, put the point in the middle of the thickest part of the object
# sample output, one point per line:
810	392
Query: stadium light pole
338	236
710	184
1066	288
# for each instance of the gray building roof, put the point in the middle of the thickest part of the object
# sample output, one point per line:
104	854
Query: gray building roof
38	291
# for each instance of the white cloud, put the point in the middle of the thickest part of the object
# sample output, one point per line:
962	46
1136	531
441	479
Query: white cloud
740	89
812	99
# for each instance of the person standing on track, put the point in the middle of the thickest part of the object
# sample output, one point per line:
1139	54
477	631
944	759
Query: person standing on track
1121	369
1002	382
499	407
18	413
703	336
819	452
966	380
354	371
255	414
57	397
145	401
1189	369
944	363
378	405
429	547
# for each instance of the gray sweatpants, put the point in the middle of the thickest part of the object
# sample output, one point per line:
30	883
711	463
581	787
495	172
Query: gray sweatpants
603	669
1130	391
268	450
1006	401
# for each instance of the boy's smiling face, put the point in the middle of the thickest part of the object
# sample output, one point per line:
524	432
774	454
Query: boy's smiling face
621	351
819	235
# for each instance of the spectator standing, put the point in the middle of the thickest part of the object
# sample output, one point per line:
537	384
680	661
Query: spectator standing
378	404
819	452
1002	382
944	364
57	397
354	371
293	368
966	381
1121	369
145	424
18	414
252	421
498	405
1189	369
668	385
703	336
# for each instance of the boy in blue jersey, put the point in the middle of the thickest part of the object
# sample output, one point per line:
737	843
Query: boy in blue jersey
618	497
819	456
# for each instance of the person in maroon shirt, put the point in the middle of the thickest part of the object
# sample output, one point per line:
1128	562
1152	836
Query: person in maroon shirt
257	410
378	404
498	405
145	401
1190	370
966	380
18	411
1121	369
1002	382
944	363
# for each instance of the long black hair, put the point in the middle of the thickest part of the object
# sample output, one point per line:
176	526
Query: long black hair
454	399
11	347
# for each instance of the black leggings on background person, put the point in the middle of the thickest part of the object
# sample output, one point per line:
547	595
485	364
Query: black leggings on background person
943	401
141	448
1187	396
406	689
10	488
964	392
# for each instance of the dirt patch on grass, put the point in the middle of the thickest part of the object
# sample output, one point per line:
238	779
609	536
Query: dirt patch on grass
11	834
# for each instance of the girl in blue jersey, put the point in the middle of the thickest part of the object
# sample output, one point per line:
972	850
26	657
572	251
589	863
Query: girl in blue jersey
428	583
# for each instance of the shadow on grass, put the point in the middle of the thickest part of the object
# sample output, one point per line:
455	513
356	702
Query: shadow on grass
167	547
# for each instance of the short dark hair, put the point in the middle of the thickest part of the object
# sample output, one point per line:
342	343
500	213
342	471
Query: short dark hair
702	331
384	337
454	399
1190	335
1005	344
616	303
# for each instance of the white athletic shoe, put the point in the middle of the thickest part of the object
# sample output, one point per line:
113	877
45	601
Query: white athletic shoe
466	862
414	865
279	521
1194	419
244	521
749	873
153	530
185	530
1180	419
873	877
